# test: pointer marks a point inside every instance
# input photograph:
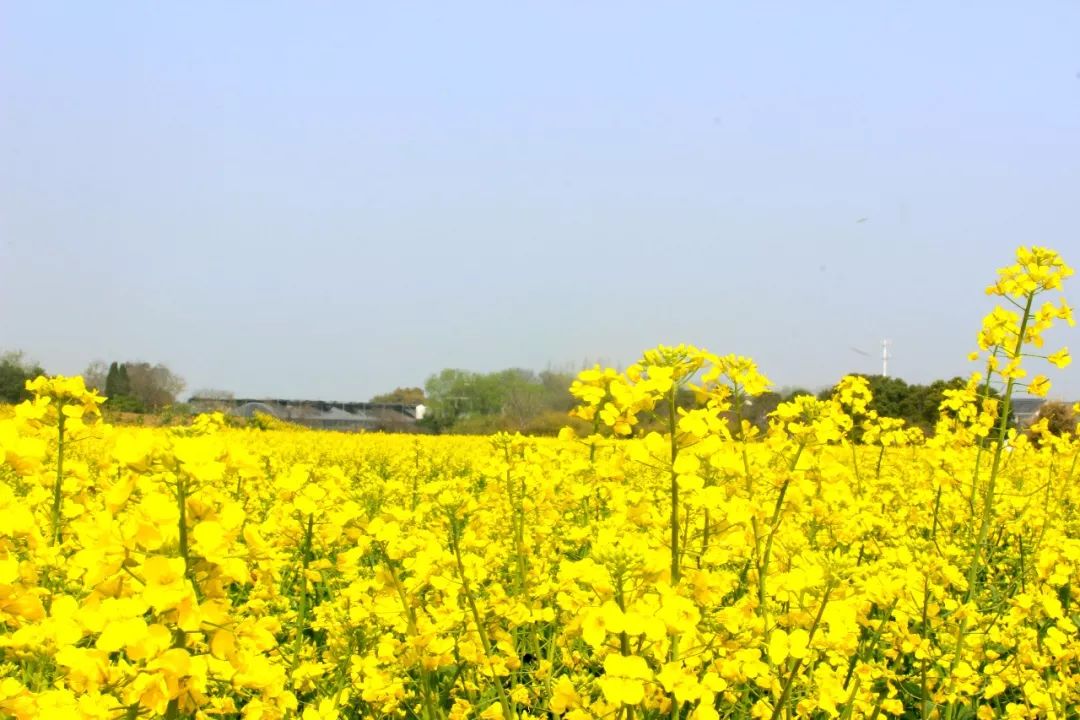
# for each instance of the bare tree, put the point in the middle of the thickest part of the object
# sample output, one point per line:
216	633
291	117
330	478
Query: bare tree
154	386
212	399
94	375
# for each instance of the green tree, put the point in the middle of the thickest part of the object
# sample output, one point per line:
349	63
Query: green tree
917	405
758	409
402	396
892	396
140	386
123	381
118	390
15	370
449	397
557	397
927	399
789	394
513	399
111	387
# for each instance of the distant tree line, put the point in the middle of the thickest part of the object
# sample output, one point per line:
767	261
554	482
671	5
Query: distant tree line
134	386
129	386
514	399
461	401
917	405
402	396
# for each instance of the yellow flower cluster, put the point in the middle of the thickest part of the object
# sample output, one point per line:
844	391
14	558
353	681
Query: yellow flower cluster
835	564
1006	332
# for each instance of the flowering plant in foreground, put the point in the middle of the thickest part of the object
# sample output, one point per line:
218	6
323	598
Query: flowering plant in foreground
836	564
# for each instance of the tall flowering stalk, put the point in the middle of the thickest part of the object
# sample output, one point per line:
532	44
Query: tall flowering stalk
66	404
1008	337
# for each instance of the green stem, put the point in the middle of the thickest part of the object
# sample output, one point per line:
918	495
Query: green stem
426	684
790	681
1046	502
704	539
676	573
1003	422
592	443
774	524
868	650
302	600
855	465
185	552
675	569
937	512
58	485
485	642
979	452
924	708
624	639
172	710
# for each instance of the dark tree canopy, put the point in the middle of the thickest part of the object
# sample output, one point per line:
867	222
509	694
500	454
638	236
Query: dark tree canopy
402	396
917	405
15	370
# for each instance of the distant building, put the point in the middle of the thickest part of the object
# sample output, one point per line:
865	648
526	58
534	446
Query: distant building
319	414
1026	409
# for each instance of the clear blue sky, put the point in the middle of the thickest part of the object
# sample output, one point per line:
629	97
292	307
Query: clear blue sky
320	200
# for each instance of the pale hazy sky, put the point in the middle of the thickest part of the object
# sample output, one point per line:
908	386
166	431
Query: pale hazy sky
321	200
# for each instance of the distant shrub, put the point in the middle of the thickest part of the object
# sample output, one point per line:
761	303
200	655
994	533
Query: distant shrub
1055	418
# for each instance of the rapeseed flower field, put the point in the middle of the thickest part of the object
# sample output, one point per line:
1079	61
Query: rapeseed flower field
834	565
